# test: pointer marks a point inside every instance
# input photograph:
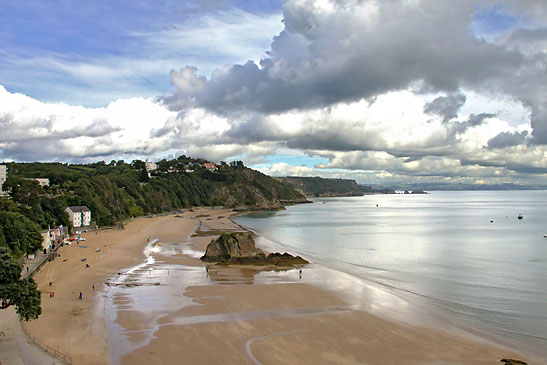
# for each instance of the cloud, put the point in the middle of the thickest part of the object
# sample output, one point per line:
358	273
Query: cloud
108	57
333	52
508	139
446	106
36	131
346	51
374	90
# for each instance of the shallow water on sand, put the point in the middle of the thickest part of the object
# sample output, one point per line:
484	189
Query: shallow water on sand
141	299
464	253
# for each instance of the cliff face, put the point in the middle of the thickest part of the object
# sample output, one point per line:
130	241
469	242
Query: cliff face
319	187
256	191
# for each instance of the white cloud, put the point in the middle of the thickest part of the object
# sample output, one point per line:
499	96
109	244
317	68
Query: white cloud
380	90
33	130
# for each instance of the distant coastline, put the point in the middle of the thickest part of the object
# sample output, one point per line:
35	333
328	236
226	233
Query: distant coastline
464	187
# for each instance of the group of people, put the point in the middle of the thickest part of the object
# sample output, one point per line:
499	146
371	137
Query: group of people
52	294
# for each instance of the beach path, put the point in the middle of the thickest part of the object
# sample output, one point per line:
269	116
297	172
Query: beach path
14	347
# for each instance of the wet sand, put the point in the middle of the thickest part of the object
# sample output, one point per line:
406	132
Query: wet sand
175	309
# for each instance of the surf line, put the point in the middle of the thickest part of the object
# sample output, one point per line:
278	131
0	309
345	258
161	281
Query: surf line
250	341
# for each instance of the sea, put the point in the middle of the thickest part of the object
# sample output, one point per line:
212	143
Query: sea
460	258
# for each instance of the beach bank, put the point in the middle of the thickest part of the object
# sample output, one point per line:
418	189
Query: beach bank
176	309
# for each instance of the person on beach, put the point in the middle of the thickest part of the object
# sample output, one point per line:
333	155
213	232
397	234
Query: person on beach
80	295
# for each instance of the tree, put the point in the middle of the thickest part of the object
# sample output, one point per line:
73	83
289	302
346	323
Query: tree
22	293
19	233
143	176
238	165
138	165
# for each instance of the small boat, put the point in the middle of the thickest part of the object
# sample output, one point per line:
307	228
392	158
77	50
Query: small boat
520	216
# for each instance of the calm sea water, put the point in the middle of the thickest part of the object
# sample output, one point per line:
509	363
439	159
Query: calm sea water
464	252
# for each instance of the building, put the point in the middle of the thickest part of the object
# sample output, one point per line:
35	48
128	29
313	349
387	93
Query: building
42	181
3	177
210	166
80	216
150	166
53	236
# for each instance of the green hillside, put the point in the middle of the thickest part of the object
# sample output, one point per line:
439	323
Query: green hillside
117	191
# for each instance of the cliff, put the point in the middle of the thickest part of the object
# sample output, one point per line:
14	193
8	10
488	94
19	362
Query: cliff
320	187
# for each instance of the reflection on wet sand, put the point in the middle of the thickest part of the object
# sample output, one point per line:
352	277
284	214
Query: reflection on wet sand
241	274
232	317
262	314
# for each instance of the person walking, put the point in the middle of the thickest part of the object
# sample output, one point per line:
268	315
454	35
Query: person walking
80	295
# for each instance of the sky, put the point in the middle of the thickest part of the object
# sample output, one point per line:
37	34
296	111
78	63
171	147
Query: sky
383	92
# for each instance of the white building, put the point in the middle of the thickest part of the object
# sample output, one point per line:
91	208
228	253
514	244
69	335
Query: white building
3	177
52	236
80	216
150	166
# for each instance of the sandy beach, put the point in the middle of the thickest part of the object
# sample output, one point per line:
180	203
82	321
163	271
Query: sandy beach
166	306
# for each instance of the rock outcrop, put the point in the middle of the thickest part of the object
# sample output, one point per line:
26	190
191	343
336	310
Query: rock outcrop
513	362
239	248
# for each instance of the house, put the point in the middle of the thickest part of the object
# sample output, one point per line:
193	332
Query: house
52	236
46	240
42	181
80	216
150	166
3	177
210	166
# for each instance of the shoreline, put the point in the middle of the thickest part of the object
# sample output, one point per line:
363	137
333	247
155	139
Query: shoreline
417	309
422	309
261	311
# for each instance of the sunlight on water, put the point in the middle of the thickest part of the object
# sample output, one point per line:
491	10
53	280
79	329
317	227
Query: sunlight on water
465	252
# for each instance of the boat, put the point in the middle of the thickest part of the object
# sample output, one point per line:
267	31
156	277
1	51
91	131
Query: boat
520	216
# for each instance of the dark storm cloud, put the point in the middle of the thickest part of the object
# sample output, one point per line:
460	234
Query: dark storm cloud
455	128
446	106
320	59
539	120
507	139
360	49
478	119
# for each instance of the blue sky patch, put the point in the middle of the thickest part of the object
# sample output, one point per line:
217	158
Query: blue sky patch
489	23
